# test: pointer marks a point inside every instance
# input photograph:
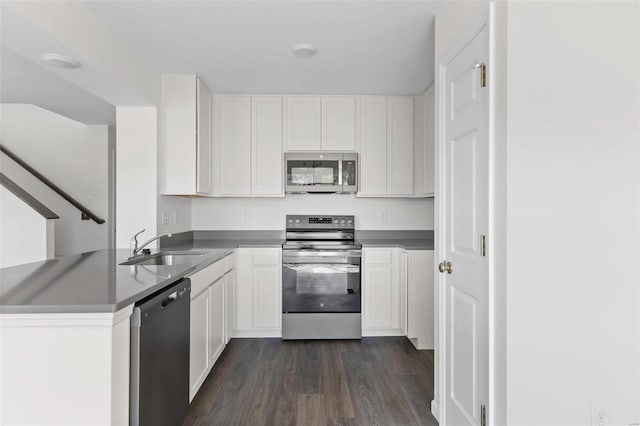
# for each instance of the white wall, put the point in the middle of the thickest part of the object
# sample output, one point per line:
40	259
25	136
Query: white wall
269	213
573	212
72	155
174	214
25	236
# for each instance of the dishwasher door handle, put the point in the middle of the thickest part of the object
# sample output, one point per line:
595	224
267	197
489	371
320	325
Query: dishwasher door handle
169	299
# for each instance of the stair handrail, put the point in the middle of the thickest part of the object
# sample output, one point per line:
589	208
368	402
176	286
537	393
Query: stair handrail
85	211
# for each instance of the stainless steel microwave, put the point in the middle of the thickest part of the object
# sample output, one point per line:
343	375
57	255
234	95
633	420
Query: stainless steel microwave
321	172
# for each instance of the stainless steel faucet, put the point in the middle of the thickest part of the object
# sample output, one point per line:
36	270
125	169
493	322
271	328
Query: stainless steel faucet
133	244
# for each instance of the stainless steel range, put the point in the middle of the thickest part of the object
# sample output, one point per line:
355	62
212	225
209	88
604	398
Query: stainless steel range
321	278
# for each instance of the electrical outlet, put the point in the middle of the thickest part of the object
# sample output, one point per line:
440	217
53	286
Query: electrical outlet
383	217
165	217
244	217
175	217
599	416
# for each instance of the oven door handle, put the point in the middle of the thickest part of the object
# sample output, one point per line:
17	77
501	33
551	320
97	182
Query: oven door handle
318	253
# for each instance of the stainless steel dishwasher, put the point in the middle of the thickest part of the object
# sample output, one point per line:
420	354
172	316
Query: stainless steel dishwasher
160	357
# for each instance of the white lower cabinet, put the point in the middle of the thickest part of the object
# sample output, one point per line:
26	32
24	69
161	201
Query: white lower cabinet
383	307
257	297
397	294
207	336
199	341
216	320
229	291
419	268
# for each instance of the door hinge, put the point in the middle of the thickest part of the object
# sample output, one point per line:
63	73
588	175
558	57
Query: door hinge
483	416
483	245
483	74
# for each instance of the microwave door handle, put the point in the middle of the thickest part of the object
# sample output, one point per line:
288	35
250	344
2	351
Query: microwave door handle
339	172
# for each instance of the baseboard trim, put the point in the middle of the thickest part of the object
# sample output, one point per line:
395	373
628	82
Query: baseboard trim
435	410
248	334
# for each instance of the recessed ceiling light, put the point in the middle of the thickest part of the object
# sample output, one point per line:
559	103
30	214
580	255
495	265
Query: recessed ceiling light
60	61
304	50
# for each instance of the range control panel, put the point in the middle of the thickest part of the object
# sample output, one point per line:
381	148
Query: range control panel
320	222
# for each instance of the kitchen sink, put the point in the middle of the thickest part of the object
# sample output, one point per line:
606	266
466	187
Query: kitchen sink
162	259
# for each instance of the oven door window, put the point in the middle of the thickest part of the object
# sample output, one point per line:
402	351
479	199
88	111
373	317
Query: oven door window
307	173
321	287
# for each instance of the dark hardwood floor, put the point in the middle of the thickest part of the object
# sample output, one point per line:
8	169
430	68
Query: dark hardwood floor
373	381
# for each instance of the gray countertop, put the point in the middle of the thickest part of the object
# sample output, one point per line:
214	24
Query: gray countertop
408	240
96	282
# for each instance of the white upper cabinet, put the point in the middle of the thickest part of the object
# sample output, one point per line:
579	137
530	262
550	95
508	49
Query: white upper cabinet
338	123
303	123
266	146
386	147
400	146
235	145
203	139
373	146
185	134
429	139
249	146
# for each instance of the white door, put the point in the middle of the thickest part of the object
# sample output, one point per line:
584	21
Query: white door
266	146
465	213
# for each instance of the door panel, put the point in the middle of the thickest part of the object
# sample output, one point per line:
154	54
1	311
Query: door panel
266	297
198	342
303	123
465	200
266	145
339	123
400	146
235	145
203	153
373	146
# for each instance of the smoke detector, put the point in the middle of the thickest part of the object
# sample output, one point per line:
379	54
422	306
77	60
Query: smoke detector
304	50
60	61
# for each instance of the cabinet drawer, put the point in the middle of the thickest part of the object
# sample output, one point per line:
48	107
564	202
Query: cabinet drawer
266	257
378	256
230	260
202	279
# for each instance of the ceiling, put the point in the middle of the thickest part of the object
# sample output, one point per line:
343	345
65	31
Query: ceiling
364	47
25	82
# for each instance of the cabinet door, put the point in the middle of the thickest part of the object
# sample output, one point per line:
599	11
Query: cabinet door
230	284
303	123
338	123
203	139
266	143
216	320
266	297
198	342
178	148
400	146
421	307
373	146
242	291
429	143
235	145
377	290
